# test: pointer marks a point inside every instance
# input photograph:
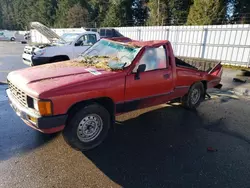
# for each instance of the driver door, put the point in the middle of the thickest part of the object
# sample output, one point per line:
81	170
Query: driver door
83	43
154	85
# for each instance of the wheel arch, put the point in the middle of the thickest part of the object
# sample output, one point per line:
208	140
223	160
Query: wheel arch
106	102
204	82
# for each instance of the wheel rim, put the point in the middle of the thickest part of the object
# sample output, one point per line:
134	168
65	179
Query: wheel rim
195	96
89	128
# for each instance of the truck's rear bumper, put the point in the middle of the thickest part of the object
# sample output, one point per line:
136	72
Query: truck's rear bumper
30	60
49	124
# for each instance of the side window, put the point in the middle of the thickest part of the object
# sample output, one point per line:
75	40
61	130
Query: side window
153	58
102	32
91	39
109	33
86	40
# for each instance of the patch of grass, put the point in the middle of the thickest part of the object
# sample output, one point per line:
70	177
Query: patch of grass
236	67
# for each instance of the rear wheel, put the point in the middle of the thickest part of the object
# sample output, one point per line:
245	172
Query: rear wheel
87	128
12	39
194	97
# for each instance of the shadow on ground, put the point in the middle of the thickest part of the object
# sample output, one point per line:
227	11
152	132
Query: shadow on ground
160	148
17	138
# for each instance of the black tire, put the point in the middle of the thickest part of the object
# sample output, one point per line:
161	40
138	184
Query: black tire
188	101
12	39
72	129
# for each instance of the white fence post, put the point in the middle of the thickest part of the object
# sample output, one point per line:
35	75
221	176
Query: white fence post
139	34
204	42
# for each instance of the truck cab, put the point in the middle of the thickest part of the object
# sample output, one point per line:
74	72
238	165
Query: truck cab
61	48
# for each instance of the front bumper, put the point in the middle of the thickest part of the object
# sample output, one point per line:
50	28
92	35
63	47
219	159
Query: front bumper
31	60
49	124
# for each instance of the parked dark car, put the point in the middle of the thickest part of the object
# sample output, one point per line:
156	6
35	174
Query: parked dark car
109	33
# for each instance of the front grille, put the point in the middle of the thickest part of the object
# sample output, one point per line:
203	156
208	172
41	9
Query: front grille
28	50
18	94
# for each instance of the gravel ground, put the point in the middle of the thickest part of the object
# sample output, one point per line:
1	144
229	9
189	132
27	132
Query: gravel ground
163	146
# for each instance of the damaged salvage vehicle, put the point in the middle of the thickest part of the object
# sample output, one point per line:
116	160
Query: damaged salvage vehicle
82	97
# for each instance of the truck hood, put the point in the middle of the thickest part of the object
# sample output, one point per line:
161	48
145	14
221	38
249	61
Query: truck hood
47	32
35	81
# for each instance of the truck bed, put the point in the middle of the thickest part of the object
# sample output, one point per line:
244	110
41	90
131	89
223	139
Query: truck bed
196	63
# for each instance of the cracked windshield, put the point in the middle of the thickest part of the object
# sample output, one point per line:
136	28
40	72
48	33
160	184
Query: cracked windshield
124	93
109	55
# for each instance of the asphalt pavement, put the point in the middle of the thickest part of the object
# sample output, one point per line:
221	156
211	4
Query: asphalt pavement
10	58
164	146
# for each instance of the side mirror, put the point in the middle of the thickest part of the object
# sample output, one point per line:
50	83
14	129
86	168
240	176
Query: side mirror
140	69
78	43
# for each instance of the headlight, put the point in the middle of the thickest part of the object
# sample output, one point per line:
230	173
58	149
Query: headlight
44	107
39	52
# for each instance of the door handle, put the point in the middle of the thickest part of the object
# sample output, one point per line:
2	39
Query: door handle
166	76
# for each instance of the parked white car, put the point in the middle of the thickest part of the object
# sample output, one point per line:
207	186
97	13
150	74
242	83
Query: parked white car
7	35
61	48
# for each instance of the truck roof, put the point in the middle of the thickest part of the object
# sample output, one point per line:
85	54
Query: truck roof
80	33
141	44
152	43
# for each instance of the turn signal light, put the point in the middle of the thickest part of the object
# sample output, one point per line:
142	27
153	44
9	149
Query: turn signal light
44	107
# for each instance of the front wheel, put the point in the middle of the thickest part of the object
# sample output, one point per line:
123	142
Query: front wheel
194	97
87	128
12	39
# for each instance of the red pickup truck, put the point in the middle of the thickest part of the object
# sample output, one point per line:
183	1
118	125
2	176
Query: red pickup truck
83	96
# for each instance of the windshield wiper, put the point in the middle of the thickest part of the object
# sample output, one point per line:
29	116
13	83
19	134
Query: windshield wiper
124	65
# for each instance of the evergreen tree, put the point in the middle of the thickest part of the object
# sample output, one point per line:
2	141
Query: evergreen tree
63	7
206	12
99	9
8	21
119	13
22	13
17	14
140	12
178	11
1	16
240	10
113	17
168	12
127	12
77	16
158	12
